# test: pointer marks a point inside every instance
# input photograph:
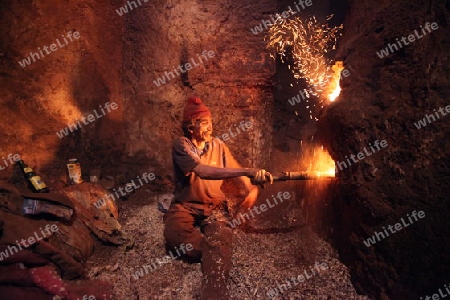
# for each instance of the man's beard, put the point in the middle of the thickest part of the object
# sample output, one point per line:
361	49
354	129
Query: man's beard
207	136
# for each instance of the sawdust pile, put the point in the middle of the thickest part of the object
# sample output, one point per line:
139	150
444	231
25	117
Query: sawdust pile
260	262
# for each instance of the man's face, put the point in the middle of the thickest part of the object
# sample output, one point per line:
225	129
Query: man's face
203	129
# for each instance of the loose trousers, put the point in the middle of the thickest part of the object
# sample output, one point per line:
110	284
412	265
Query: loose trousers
211	238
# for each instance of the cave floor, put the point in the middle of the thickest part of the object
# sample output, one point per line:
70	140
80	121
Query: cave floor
261	262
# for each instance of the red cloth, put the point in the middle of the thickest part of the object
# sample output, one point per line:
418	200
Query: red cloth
35	277
24	256
48	279
14	274
23	293
43	282
195	109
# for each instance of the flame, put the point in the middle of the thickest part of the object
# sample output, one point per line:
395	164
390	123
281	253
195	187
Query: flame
322	164
334	94
334	81
307	41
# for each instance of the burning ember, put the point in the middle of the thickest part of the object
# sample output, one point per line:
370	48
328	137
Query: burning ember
307	41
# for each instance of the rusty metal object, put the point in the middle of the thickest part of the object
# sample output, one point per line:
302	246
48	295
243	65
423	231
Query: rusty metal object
303	175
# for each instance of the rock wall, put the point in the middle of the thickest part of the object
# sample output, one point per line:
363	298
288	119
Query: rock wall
228	69
64	80
382	100
117	58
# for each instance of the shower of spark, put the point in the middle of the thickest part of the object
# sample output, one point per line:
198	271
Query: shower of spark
307	41
304	43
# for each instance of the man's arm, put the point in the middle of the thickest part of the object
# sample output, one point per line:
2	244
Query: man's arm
216	173
257	176
210	172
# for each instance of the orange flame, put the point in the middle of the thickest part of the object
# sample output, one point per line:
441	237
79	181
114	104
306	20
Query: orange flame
322	164
334	86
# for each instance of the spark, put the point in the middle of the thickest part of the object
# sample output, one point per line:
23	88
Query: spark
307	41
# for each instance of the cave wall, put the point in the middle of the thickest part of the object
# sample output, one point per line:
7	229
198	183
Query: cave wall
62	84
234	81
381	100
116	59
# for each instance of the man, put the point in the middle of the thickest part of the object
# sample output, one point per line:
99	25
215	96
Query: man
198	214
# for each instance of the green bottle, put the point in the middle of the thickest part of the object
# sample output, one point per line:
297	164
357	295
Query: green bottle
35	183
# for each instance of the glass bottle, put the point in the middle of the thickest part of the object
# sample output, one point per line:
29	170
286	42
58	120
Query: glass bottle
35	183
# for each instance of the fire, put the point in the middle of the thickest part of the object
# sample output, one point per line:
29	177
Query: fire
334	81
334	94
322	164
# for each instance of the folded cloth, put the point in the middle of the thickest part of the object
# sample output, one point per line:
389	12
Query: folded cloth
25	257
55	198
23	293
13	233
69	267
100	219
48	279
32	206
92	195
12	200
34	263
14	274
45	283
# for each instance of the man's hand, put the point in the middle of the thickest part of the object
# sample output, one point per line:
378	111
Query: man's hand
249	200
260	177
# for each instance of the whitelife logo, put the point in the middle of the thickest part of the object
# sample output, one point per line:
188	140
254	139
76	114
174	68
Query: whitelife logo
187	66
306	94
235	222
411	38
371	241
360	155
318	267
284	15
90	118
124	9
439	296
430	118
53	47
243	125
12	159
164	260
49	230
128	188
